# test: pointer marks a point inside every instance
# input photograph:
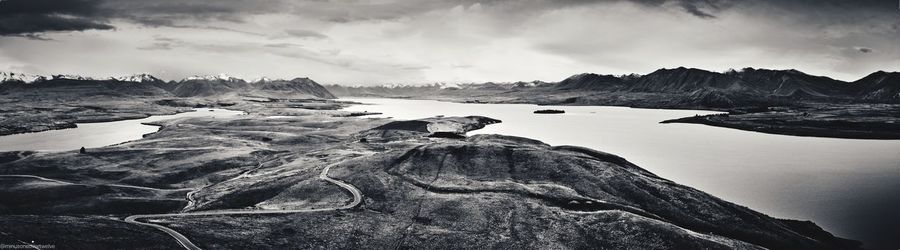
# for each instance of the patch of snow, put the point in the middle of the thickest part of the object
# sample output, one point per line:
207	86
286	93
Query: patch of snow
72	77
19	77
219	77
137	78
449	85
262	79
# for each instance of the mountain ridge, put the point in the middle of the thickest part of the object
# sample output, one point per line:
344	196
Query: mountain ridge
220	85
138	77
746	83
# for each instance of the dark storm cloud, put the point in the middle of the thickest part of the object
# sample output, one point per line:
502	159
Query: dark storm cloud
697	9
19	17
31	7
165	12
27	24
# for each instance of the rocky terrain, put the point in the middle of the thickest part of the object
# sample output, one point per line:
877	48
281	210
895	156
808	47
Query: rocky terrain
316	180
807	104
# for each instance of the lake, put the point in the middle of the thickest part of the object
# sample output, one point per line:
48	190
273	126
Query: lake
91	135
849	187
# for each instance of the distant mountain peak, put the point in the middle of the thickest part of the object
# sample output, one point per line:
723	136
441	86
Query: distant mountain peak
219	77
783	71
679	70
449	86
143	77
261	80
682	68
590	81
590	75
19	77
71	77
269	80
882	72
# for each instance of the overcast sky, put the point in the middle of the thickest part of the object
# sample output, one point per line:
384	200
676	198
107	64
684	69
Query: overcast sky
363	42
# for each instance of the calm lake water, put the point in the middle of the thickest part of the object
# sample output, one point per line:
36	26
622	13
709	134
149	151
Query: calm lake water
849	187
91	135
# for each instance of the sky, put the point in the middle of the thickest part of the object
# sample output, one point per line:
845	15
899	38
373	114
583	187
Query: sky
370	42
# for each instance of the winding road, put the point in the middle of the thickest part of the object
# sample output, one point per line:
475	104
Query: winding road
187	244
184	241
36	177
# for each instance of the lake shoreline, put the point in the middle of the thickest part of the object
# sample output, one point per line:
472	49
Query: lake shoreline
802	128
57	121
844	125
98	133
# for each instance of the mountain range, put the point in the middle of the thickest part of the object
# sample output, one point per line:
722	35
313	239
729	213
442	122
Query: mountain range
730	88
148	85
687	86
763	82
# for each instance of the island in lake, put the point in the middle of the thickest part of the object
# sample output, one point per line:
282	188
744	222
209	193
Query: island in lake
549	111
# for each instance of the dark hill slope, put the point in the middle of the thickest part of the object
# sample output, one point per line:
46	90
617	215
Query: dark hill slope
790	82
208	87
590	81
688	80
684	80
83	88
879	86
298	87
560	184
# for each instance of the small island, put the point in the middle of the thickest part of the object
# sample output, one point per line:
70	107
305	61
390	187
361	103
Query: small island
549	111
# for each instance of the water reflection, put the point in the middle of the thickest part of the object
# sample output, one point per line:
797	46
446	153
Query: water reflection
97	134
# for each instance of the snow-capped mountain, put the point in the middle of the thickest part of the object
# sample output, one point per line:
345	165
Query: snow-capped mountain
71	77
138	78
219	77
195	86
261	80
29	78
19	77
449	85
